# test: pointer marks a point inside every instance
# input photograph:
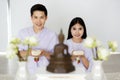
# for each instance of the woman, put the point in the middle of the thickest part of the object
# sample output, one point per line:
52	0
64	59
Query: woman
80	55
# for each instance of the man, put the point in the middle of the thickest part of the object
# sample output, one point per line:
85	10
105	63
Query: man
46	39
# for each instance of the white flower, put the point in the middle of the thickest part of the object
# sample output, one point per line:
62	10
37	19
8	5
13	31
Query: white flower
11	53
97	48
26	41
103	53
78	59
15	41
12	49
112	45
31	41
13	46
91	42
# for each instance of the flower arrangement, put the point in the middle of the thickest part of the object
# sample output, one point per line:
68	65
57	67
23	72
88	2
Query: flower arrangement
99	51
14	43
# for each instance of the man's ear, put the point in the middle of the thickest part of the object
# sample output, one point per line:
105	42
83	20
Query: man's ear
46	17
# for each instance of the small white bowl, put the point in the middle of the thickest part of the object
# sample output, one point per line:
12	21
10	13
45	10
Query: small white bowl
36	52
78	52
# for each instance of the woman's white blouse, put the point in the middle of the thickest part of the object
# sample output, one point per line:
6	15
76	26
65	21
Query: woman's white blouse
72	46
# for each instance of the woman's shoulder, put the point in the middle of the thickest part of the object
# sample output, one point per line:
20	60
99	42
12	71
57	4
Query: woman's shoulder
67	42
86	48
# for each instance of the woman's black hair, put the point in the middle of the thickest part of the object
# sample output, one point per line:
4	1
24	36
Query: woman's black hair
75	21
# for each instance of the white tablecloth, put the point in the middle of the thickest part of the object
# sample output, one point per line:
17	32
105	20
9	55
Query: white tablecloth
110	76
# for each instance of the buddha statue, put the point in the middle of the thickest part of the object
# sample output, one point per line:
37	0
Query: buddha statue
60	61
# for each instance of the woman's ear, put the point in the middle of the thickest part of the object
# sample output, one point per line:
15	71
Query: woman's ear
31	17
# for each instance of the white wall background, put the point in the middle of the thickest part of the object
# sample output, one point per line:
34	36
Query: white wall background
102	17
3	25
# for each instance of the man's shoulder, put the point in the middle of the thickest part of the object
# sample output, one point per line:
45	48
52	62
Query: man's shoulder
50	32
25	29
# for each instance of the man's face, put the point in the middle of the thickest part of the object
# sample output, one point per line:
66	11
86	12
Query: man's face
38	18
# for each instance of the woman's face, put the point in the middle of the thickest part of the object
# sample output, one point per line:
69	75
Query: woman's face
77	31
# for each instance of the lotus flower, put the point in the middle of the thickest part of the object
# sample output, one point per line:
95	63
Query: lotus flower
101	52
112	45
92	42
13	46
31	41
15	41
11	53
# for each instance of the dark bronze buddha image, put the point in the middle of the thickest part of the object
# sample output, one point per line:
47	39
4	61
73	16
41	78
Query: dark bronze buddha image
60	61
